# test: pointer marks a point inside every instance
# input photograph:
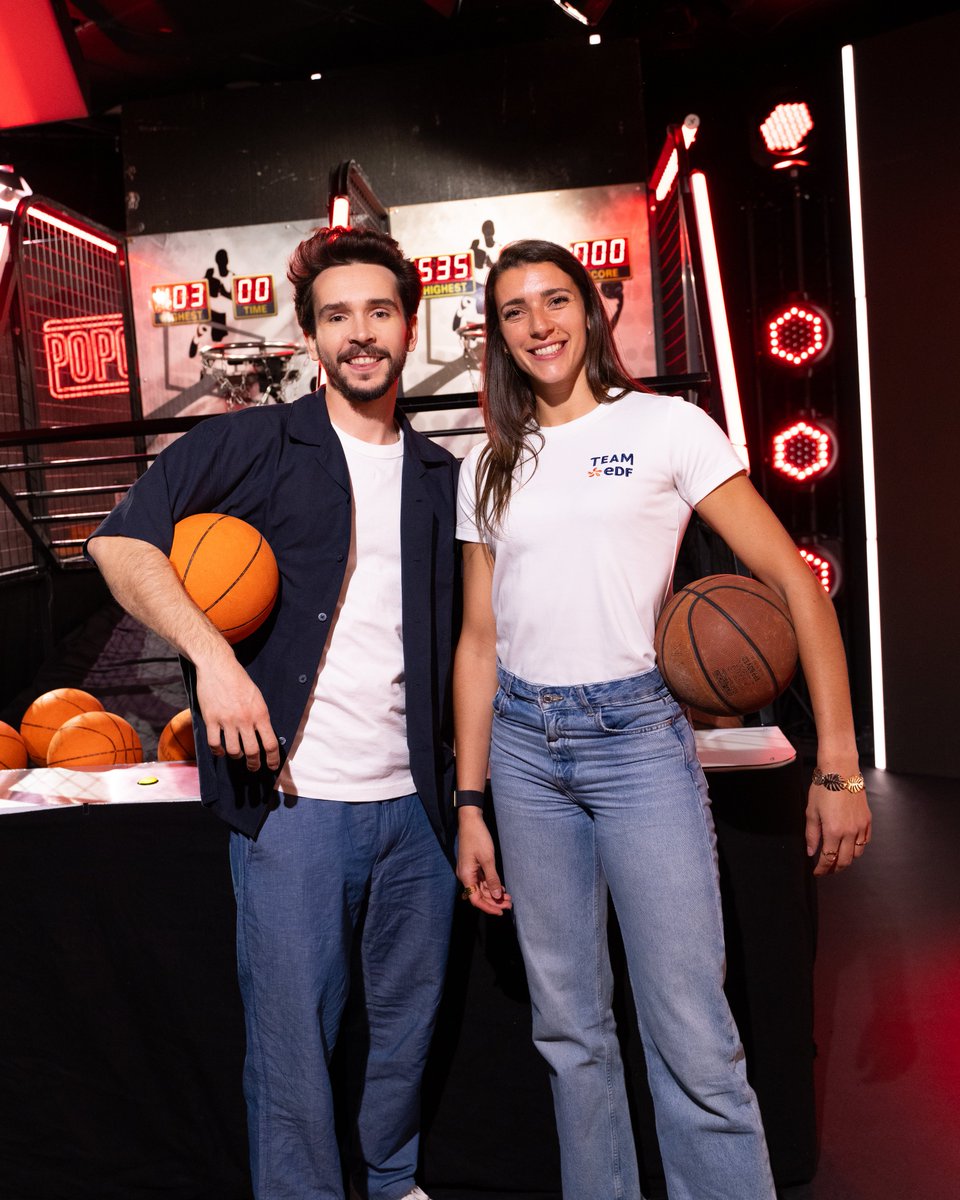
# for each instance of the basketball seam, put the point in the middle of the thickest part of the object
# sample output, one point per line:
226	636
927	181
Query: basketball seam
700	663
743	633
236	580
200	541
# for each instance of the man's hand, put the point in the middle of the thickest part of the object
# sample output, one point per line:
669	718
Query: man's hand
476	866
235	714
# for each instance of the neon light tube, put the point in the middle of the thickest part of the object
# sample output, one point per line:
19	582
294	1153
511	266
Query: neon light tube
729	390
76	230
866	407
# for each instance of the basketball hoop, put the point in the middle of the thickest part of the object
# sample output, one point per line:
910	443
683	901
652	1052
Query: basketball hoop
473	336
251	373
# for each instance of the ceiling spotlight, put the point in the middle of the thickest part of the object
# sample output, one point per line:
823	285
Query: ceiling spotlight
587	12
785	130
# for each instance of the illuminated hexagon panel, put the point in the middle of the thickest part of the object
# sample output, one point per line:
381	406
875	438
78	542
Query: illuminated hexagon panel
824	565
799	335
785	128
803	450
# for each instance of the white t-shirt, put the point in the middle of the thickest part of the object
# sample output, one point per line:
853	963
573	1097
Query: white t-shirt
584	560
352	740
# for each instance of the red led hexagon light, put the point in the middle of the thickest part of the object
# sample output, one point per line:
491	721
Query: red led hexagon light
799	335
824	564
786	127
804	450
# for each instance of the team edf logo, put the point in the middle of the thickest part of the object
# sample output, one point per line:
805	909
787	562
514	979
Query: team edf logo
611	464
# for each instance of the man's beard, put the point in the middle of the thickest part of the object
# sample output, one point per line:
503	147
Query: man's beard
359	393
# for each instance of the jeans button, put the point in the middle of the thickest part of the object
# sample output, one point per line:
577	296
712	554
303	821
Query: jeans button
551	697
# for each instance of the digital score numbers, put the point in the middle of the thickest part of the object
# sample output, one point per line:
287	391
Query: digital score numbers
446	274
605	258
254	296
180	303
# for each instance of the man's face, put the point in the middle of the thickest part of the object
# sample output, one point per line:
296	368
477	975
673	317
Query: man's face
361	336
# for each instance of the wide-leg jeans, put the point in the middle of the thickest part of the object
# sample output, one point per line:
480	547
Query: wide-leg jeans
598	787
327	886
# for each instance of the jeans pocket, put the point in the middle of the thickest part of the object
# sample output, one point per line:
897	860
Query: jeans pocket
500	700
642	716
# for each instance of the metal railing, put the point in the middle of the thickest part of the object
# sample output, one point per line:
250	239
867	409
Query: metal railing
47	512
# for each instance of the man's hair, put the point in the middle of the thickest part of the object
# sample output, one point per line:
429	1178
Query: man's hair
339	247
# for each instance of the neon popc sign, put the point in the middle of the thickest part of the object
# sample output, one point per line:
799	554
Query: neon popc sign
86	356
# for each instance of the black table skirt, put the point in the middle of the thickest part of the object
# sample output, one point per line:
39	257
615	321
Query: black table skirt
121	1032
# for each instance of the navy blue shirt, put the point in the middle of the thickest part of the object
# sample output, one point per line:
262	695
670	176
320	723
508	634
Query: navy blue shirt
282	469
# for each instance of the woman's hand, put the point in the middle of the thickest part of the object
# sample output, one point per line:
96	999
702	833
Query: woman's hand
476	865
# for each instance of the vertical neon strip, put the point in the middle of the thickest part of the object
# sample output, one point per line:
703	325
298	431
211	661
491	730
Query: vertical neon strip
866	407
340	213
729	389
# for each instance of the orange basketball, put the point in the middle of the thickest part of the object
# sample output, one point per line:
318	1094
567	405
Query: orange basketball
13	750
47	713
94	739
176	742
228	569
725	644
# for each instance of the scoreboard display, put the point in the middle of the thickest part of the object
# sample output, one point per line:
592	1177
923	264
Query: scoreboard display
446	274
254	296
605	258
180	303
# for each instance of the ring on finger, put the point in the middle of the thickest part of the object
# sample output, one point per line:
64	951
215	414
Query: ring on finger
829	853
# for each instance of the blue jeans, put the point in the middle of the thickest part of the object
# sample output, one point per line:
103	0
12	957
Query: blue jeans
598	788
328	890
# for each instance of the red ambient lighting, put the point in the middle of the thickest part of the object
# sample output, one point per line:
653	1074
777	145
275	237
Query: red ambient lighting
824	566
803	450
786	128
86	356
799	334
39	82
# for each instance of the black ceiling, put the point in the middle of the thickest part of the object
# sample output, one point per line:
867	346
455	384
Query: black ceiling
139	48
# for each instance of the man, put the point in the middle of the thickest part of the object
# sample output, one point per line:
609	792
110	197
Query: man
325	732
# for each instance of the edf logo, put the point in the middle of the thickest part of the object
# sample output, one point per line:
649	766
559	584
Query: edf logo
610	464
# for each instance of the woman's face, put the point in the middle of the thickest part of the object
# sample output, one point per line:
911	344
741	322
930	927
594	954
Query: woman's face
544	324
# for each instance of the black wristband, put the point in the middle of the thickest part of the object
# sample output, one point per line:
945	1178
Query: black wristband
462	798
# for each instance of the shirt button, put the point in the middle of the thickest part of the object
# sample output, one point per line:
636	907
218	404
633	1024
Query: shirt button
321	616
303	678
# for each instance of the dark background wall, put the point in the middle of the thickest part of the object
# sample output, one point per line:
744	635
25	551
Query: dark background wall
490	124
906	86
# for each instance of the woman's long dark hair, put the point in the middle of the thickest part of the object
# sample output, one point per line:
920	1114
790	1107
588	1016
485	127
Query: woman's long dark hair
507	398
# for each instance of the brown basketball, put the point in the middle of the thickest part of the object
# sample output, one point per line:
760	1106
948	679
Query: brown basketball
228	569
176	742
725	644
47	713
13	750
94	739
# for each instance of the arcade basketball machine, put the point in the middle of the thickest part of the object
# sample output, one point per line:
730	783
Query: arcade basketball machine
68	386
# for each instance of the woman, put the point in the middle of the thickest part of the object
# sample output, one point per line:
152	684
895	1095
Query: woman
571	516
